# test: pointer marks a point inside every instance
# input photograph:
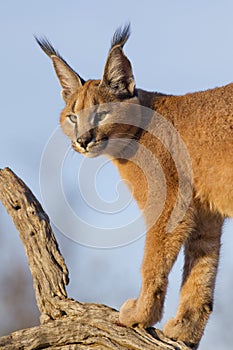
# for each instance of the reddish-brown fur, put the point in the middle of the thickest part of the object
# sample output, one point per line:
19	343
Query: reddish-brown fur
204	121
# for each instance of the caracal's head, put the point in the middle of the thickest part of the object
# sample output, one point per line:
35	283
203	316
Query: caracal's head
97	116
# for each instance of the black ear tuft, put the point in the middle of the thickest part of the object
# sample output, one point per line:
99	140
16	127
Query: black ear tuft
121	35
47	47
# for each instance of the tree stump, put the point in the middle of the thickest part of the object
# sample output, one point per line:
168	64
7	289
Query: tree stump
64	323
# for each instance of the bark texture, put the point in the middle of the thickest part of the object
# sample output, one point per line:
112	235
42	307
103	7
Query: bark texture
65	323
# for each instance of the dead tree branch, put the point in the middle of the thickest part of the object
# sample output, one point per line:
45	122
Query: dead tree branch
65	323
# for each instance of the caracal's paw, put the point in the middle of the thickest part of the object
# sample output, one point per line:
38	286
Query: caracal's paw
182	330
131	315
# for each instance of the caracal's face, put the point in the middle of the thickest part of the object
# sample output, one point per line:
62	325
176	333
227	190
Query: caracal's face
98	122
98	117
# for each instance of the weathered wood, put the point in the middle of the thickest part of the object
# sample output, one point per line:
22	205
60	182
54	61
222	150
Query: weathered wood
89	331
47	266
85	333
65	323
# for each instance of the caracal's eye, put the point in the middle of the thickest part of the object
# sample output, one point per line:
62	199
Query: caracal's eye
99	116
73	118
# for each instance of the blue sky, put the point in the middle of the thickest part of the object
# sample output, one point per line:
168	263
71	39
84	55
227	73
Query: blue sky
175	47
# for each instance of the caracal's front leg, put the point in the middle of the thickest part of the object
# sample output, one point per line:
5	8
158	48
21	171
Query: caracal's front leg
201	262
161	250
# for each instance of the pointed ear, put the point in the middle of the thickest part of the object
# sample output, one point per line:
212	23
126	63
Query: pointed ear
68	78
118	74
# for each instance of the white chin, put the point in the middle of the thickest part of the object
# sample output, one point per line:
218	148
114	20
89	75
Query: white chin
91	154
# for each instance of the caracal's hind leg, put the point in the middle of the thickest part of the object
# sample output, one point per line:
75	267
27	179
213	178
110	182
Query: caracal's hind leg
200	268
